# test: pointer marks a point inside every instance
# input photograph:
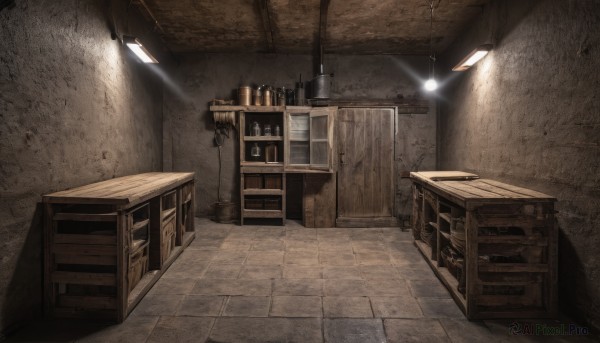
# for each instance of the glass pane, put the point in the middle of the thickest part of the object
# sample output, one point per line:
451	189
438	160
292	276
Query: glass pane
319	153
318	127
299	152
299	129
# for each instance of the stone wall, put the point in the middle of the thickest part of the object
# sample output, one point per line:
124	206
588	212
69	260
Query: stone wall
75	108
188	127
529	114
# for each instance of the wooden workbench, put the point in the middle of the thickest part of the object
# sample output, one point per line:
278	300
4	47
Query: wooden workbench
493	245
107	243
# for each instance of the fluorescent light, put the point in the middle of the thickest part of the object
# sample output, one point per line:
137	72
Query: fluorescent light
431	85
473	57
138	49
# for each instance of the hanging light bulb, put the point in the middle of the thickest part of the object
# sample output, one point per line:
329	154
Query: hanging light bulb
431	84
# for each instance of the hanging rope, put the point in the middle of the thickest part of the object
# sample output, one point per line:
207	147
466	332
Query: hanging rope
432	7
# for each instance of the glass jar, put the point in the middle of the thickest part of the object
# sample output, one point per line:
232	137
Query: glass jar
255	152
255	129
277	131
267	130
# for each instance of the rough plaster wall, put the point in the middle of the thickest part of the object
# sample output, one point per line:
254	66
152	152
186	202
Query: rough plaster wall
529	114
188	128
75	108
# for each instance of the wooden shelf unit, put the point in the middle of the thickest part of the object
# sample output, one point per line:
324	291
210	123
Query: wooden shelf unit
305	145
107	243
506	261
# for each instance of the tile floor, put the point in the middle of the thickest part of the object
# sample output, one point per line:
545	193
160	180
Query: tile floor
293	284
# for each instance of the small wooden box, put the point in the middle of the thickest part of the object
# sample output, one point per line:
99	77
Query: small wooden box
272	181
273	204
168	237
253	204
253	181
138	266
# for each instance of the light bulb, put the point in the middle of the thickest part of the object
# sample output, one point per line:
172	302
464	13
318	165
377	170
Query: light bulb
431	85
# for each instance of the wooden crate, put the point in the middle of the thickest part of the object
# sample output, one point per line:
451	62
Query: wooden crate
272	204
167	244
137	266
272	181
253	181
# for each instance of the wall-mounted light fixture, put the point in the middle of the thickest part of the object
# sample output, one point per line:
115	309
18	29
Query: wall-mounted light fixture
136	46
473	57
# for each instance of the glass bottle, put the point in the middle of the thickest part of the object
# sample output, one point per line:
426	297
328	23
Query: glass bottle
255	152
255	129
277	130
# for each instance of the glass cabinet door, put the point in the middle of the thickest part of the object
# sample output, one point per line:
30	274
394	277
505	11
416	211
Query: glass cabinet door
309	141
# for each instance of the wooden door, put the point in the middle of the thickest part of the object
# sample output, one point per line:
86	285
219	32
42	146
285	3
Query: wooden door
366	181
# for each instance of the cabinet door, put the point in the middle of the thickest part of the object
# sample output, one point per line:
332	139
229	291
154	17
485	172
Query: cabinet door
309	139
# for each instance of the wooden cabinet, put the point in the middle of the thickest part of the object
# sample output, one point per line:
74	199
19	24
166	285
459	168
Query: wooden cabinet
493	245
107	243
275	140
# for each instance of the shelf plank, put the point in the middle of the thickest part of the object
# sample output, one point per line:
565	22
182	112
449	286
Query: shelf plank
86	217
140	224
446	216
255	191
230	108
168	212
263	213
512	267
263	138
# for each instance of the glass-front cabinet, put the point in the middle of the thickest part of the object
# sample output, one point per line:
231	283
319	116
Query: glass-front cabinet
275	140
309	146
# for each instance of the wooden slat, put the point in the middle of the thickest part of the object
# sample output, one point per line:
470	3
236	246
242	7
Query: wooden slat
90	260
263	138
226	108
518	240
140	224
85	239
87	302
86	217
66	312
83	249
508	220
254	191
99	279
513	267
520	190
262	213
443	175
465	186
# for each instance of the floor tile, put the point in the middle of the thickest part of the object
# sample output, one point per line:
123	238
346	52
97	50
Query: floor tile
232	287
134	329
415	331
341	272
292	271
419	273
396	307
201	306
173	286
230	257
240	306
342	330
439	308
259	330
265	257
222	271
298	287
348	307
296	306
192	256
343	287
306	258
378	272
463	330
334	258
181	329
387	287
300	245
268	245
428	289
373	258
158	305
261	272
186	270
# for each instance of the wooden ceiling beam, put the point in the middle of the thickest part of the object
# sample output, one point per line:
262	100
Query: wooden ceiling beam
265	14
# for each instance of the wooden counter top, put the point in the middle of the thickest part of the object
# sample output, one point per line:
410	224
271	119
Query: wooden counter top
465	187
124	191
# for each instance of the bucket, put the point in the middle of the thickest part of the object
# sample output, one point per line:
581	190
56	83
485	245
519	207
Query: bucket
224	212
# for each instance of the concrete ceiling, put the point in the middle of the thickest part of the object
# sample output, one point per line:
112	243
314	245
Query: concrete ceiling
292	26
